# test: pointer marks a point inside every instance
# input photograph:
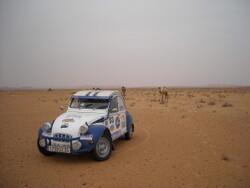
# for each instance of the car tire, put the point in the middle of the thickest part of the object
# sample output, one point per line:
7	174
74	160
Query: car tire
103	148
43	150
129	134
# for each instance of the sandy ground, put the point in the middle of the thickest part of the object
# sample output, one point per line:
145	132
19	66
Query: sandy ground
191	141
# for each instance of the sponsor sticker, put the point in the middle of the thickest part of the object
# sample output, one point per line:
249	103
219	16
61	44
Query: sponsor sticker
65	125
116	133
111	119
123	124
68	120
112	128
86	137
73	116
117	122
123	117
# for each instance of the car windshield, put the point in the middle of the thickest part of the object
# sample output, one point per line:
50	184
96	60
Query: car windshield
82	103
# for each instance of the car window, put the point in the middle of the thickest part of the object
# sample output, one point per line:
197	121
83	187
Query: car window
89	103
74	103
114	105
121	105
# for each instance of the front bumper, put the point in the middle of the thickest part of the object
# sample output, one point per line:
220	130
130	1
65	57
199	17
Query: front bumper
64	145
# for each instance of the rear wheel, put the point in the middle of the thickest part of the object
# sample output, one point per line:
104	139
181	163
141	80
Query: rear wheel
103	148
43	150
129	134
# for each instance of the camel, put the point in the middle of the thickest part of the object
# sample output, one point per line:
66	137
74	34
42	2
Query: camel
164	94
123	91
96	88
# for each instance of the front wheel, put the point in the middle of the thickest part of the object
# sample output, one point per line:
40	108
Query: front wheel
103	148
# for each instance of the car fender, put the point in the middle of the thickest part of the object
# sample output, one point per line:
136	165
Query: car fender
130	122
97	131
40	131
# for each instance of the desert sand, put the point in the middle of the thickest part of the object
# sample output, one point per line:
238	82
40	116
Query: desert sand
200	138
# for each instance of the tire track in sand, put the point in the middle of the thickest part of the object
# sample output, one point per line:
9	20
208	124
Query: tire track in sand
140	137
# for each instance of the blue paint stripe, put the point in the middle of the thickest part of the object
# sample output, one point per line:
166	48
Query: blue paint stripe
56	138
89	93
96	93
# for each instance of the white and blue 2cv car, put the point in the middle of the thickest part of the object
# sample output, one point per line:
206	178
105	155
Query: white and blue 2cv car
93	120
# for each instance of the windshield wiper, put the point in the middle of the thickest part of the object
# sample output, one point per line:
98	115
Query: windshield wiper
102	107
85	106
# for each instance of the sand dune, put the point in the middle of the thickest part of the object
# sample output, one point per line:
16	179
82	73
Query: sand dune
200	138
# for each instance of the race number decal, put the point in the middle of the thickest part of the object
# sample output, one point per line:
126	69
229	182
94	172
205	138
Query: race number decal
117	122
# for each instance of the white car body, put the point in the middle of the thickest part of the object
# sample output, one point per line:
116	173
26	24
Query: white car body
96	111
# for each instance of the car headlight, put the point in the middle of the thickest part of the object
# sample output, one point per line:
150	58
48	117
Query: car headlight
46	126
42	142
83	129
76	145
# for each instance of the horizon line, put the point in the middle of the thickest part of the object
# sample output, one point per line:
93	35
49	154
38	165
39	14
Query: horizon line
115	87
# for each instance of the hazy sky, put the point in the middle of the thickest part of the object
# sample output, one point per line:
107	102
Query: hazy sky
73	43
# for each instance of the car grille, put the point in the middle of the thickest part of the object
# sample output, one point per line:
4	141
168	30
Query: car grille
58	135
57	140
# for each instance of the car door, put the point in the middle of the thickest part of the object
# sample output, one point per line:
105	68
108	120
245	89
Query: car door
117	118
121	115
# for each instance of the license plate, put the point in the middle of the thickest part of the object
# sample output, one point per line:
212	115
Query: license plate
59	149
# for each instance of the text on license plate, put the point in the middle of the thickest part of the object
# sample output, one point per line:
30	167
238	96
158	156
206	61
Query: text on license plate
59	149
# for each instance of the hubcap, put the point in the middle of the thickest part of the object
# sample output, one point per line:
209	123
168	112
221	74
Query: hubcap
103	147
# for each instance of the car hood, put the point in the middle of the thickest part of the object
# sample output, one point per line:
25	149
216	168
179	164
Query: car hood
69	123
